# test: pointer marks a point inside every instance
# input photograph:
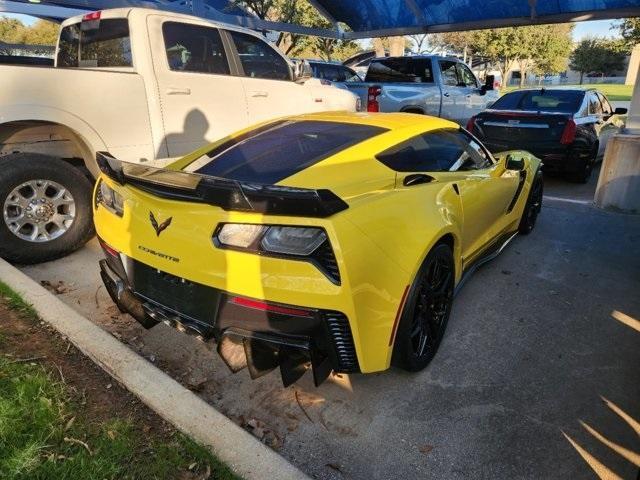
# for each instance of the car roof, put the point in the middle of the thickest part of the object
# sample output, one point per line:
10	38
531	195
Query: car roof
423	57
552	89
390	121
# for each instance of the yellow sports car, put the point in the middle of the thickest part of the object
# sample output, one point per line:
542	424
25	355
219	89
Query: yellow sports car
330	241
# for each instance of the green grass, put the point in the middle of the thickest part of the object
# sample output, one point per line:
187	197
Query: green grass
42	425
614	92
35	420
16	303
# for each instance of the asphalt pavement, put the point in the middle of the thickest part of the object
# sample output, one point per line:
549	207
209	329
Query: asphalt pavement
538	375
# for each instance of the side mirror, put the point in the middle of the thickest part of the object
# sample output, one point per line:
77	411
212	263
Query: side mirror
513	163
489	83
620	111
302	71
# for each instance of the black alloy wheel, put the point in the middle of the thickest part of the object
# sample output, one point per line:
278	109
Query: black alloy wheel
426	311
533	206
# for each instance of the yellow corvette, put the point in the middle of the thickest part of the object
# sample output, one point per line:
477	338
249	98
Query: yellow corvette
331	241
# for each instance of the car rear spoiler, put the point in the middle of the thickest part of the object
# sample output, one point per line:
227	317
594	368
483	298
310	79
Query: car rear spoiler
225	193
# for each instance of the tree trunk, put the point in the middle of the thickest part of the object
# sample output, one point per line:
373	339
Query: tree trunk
581	76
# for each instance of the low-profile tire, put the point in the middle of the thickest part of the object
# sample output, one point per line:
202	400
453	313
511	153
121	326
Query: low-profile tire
533	206
45	206
583	174
426	311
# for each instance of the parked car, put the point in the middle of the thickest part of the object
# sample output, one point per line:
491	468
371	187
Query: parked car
568	128
333	72
335	240
430	85
144	84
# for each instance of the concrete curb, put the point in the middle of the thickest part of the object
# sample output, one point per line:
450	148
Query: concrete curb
244	454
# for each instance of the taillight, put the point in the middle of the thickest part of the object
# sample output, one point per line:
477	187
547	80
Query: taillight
108	249
372	99
569	133
92	16
470	124
270	307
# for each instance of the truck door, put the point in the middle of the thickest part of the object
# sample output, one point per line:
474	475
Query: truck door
267	81
200	98
453	95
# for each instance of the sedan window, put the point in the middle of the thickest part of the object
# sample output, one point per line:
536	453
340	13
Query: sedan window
595	107
568	101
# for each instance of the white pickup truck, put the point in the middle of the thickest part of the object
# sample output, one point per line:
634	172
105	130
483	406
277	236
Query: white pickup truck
426	84
143	84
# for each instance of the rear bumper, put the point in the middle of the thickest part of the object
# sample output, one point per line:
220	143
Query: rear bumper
250	333
555	157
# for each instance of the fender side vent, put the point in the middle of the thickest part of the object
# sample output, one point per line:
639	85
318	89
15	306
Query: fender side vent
340	332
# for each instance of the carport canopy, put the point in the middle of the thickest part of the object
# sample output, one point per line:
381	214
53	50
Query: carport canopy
365	18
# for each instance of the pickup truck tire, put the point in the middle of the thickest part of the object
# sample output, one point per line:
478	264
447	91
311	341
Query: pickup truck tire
46	208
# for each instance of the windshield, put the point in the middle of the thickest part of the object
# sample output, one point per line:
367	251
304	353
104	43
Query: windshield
280	150
565	101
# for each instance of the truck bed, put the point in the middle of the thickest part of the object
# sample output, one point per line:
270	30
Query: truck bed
108	106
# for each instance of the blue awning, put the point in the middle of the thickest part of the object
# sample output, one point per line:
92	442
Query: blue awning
368	18
439	15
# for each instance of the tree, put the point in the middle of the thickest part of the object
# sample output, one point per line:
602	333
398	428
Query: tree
598	55
629	29
546	49
418	41
13	31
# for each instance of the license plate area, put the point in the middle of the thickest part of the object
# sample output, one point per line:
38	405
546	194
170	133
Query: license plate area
194	300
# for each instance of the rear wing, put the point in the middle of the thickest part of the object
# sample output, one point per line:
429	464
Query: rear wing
222	192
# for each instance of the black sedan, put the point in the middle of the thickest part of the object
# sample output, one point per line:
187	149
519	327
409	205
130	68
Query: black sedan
567	128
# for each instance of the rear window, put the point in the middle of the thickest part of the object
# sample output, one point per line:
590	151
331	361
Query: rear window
272	154
406	69
105	43
541	100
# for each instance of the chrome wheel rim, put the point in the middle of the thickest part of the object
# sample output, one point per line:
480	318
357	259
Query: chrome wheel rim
39	211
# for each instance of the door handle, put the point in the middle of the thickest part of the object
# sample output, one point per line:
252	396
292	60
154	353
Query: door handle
178	91
416	179
259	94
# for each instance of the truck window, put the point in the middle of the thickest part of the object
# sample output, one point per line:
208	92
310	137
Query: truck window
259	60
466	76
405	70
107	45
449	73
194	48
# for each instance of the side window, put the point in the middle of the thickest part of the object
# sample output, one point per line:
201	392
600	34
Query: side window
478	157
437	151
606	106
595	107
259	59
449	73
194	48
400	70
69	46
466	76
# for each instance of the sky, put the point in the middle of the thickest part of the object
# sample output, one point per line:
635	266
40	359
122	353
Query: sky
598	28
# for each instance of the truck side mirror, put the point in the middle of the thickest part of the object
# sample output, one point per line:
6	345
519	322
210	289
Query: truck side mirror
302	71
488	84
514	163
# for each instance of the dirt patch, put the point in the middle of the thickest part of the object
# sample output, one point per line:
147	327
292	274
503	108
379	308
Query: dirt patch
26	340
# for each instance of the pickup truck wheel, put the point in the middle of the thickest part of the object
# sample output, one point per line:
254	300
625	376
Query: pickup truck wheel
46	208
426	311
